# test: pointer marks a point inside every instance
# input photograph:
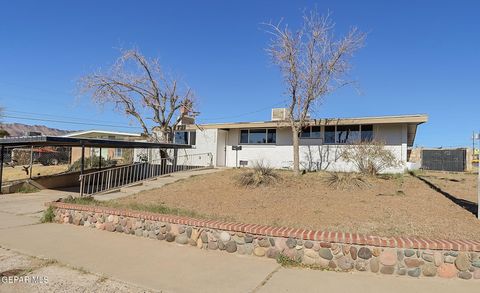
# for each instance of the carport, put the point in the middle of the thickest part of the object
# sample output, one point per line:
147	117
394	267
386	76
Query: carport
58	141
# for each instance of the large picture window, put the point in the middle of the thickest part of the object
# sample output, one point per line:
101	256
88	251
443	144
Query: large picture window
258	136
348	133
345	134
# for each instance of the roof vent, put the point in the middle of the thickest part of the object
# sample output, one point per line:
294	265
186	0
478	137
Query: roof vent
279	114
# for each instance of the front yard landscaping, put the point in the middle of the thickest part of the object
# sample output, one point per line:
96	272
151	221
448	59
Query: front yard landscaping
389	206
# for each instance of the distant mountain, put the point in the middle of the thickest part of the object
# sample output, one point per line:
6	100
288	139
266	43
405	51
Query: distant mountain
19	129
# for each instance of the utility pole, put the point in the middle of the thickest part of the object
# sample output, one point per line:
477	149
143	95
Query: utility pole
478	174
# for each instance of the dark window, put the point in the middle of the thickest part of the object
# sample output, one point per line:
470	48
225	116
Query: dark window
185	137
271	136
244	136
315	132
367	132
181	137
305	133
348	133
310	132
258	136
329	136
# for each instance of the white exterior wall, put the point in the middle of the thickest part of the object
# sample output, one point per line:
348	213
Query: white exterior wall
206	142
313	154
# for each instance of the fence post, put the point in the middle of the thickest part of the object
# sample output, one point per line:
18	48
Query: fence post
109	177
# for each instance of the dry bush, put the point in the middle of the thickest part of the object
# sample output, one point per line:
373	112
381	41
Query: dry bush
342	180
260	175
370	157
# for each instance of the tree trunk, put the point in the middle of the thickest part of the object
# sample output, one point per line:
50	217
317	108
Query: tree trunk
296	151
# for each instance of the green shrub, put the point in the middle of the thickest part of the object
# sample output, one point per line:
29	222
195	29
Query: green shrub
260	174
27	188
48	215
91	162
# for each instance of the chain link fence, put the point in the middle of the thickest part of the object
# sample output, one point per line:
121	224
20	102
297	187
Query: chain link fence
22	163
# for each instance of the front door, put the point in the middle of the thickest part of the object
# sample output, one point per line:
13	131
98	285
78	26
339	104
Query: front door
221	147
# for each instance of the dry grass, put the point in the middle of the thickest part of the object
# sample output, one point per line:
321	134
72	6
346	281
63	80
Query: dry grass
259	175
17	172
345	181
392	206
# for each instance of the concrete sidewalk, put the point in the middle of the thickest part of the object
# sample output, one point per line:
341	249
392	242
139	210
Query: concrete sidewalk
172	268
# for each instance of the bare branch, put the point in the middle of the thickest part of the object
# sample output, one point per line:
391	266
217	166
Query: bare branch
313	64
134	84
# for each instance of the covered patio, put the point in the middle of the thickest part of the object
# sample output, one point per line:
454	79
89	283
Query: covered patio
103	178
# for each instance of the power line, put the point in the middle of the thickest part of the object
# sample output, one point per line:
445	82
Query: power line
57	116
70	122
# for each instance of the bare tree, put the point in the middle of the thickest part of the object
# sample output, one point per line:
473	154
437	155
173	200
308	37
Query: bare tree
313	63
138	87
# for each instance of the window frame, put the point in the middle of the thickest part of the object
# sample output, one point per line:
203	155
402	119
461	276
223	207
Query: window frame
310	132
116	155
258	143
360	140
189	137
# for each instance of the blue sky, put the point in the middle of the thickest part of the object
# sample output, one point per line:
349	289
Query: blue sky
420	57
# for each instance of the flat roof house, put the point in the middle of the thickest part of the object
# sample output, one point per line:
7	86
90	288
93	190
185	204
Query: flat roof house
321	142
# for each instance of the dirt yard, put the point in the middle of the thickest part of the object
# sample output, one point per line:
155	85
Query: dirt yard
403	206
459	185
18	172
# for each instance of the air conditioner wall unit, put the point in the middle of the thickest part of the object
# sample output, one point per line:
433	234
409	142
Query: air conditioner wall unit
279	114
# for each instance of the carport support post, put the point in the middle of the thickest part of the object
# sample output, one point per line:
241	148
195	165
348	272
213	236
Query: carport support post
31	162
1	166
82	160
100	160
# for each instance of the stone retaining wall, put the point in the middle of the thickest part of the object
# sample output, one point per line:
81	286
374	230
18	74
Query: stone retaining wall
414	257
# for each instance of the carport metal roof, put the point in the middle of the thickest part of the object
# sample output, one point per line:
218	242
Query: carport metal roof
40	141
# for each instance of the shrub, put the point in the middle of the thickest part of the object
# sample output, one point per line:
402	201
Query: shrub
260	174
340	180
48	215
370	158
91	162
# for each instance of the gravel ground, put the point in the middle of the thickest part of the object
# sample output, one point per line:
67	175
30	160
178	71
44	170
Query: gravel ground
60	278
403	206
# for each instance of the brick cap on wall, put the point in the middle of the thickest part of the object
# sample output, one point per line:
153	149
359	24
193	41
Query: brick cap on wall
325	236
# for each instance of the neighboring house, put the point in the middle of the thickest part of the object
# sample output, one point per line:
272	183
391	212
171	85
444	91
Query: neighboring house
320	145
108	153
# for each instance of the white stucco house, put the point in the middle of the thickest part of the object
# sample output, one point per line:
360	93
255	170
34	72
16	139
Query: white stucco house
320	143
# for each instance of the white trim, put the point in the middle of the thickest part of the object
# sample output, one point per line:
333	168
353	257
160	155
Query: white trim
80	133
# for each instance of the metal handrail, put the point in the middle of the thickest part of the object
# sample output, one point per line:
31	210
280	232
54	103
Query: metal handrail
104	180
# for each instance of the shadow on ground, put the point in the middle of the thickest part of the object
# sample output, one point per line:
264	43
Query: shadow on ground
465	204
